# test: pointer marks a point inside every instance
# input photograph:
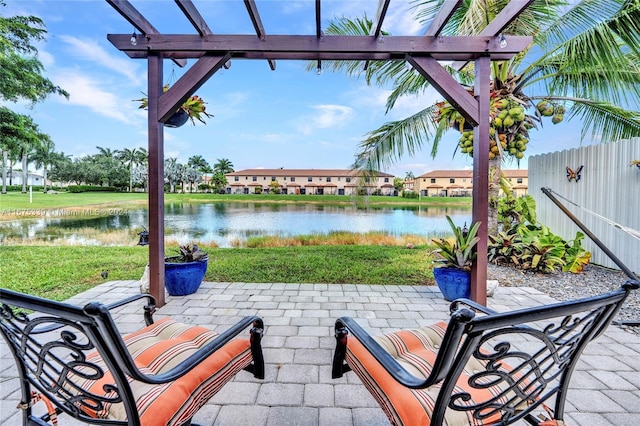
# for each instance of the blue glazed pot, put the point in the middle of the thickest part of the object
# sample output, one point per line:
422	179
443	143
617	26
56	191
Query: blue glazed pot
454	283
181	279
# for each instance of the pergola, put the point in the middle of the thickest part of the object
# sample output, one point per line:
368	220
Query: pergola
213	51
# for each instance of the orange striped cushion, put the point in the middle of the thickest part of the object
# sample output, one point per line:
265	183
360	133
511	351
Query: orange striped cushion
416	351
158	348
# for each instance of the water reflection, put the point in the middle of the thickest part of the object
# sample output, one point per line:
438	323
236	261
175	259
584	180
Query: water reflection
224	223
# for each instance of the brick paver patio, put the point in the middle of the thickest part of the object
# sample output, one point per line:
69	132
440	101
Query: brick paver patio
298	345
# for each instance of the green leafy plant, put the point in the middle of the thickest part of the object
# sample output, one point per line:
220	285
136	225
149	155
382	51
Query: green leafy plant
194	106
504	247
459	252
542	251
188	253
576	257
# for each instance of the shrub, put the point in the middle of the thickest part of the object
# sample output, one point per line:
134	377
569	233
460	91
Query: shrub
410	194
91	188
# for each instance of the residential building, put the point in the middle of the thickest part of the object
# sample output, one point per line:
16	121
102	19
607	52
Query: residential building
309	181
459	183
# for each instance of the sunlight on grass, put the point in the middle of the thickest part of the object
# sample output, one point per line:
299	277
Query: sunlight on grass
338	238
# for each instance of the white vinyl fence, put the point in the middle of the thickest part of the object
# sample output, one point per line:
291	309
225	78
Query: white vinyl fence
606	192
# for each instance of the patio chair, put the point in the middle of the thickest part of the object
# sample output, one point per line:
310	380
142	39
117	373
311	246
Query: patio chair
76	361
494	368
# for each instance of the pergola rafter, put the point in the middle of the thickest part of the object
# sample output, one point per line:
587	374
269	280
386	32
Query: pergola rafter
213	51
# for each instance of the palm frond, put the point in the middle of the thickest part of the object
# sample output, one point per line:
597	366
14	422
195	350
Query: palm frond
607	122
578	18
385	145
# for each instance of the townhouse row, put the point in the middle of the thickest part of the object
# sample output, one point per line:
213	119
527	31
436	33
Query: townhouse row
437	183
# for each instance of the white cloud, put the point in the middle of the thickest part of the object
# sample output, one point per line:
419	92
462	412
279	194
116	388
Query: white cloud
326	116
92	51
85	91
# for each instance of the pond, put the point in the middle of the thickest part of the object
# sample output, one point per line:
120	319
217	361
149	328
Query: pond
224	223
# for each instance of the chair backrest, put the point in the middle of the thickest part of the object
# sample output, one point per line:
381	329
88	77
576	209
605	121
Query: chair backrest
53	346
519	359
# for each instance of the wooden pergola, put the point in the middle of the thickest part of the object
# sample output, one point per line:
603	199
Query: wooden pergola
213	51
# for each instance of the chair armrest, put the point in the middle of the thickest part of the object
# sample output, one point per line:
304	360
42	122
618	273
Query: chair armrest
149	308
195	359
152	301
444	358
476	307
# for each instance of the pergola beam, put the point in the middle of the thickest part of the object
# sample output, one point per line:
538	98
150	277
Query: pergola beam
383	6
376	28
447	86
194	16
139	22
252	10
440	20
318	19
292	46
502	20
507	15
188	83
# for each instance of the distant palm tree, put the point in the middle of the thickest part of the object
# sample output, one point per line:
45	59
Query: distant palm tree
44	156
130	158
409	176
584	61
198	163
223	165
106	152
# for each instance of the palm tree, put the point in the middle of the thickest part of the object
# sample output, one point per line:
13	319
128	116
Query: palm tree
106	152
198	163
584	62
44	156
130	158
223	165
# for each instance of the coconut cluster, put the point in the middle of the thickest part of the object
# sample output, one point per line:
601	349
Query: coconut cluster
509	128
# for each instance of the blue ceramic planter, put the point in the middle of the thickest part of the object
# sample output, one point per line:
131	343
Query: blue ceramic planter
181	279
454	283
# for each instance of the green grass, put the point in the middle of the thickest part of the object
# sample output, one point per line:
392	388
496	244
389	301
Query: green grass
61	272
16	201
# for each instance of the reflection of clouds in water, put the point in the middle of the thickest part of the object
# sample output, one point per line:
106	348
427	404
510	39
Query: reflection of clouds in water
224	223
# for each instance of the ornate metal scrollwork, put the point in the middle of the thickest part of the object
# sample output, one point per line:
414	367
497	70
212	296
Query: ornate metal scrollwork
59	357
517	378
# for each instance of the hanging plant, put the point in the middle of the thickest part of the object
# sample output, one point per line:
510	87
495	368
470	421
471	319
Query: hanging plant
194	108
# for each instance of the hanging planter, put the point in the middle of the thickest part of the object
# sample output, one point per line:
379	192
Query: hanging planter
177	119
192	109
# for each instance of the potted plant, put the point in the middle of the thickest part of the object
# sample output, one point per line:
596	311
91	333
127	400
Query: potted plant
453	275
184	272
192	109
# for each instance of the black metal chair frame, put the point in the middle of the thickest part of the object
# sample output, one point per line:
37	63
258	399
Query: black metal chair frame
547	371
32	341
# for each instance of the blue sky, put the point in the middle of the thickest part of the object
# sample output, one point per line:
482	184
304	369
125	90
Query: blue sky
287	118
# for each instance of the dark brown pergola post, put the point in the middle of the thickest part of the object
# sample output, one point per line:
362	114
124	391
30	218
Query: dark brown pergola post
480	203
156	180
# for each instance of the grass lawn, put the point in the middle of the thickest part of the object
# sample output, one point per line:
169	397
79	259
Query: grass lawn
16	204
61	272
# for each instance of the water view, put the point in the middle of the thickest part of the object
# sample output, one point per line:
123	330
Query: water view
226	223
